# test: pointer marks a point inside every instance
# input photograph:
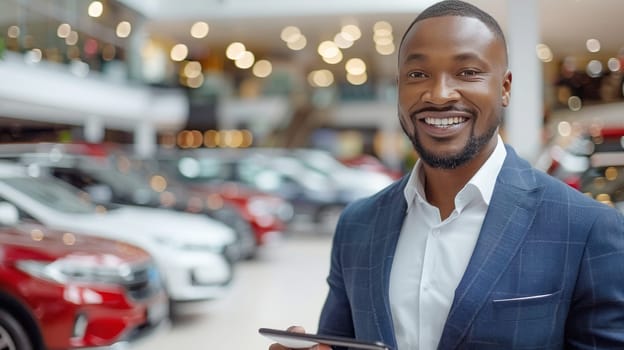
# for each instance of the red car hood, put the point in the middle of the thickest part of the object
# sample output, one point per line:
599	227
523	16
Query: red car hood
36	242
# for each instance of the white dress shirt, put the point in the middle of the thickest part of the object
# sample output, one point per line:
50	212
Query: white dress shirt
432	255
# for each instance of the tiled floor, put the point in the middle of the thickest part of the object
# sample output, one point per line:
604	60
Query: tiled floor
285	285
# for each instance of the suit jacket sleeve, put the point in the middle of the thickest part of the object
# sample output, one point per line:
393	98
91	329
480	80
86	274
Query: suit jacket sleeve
335	316
596	317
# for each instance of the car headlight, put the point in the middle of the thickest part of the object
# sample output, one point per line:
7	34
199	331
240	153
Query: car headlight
63	271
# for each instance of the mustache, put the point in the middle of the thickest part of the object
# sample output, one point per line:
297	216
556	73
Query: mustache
449	108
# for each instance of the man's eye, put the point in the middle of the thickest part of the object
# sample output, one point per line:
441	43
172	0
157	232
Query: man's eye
469	73
417	75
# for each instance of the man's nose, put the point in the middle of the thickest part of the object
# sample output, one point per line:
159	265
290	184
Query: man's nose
441	90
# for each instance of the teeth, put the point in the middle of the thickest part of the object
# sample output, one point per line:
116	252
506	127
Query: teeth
445	121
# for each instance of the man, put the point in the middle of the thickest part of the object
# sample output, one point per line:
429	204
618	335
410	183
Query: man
474	249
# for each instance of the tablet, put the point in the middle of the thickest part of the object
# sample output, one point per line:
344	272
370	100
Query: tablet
305	340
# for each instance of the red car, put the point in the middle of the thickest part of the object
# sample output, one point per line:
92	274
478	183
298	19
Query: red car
267	214
60	290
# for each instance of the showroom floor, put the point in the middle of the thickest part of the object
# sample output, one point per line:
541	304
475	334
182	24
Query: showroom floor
284	285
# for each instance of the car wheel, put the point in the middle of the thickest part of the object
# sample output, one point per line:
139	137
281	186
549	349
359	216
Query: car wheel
12	335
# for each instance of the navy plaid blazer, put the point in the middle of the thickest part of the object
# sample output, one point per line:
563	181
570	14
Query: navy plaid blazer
547	271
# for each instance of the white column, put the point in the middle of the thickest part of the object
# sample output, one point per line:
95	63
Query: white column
524	116
144	139
136	41
94	129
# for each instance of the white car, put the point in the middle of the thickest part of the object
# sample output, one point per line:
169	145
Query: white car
189	249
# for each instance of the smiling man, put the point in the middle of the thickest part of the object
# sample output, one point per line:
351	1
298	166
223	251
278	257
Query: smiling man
474	249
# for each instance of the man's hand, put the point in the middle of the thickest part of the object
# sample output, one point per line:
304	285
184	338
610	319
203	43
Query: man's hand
298	329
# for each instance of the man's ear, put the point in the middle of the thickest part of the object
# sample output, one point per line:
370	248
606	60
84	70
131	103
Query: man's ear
506	89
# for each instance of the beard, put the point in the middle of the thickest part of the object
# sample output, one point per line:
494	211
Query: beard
473	146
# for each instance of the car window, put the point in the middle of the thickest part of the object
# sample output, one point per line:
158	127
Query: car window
53	193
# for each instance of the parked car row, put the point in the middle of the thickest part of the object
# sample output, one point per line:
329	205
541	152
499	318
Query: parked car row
60	290
591	160
316	183
97	245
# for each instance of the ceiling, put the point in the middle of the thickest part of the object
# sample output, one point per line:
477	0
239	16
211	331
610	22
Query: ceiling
565	25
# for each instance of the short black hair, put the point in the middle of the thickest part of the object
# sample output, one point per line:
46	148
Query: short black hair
458	8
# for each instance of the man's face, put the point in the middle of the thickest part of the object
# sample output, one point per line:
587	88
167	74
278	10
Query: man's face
453	84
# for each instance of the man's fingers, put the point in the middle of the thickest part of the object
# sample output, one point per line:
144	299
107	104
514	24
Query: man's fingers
296	329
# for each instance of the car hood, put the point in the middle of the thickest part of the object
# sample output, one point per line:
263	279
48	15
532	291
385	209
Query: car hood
165	225
36	242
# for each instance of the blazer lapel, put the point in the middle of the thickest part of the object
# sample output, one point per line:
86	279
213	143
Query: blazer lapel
510	214
387	227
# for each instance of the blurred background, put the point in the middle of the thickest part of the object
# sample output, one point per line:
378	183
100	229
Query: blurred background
171	172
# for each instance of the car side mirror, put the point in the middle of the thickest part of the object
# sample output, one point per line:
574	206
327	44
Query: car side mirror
9	215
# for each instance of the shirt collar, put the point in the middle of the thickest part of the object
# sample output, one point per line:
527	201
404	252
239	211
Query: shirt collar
482	180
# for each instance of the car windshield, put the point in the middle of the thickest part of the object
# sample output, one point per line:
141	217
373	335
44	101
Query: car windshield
53	193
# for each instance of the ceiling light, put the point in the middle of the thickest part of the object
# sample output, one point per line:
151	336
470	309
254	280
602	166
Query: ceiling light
611	173
594	68
123	29
321	78
383	39
564	128
192	69
328	49
63	30
382	28
245	61
357	79
195	82
544	53
95	9
355	66
385	49
290	34
299	44
614	64
593	45
13	32
262	69
352	32
179	52
72	38
342	41
247	138
199	30
574	103
335	59
235	50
